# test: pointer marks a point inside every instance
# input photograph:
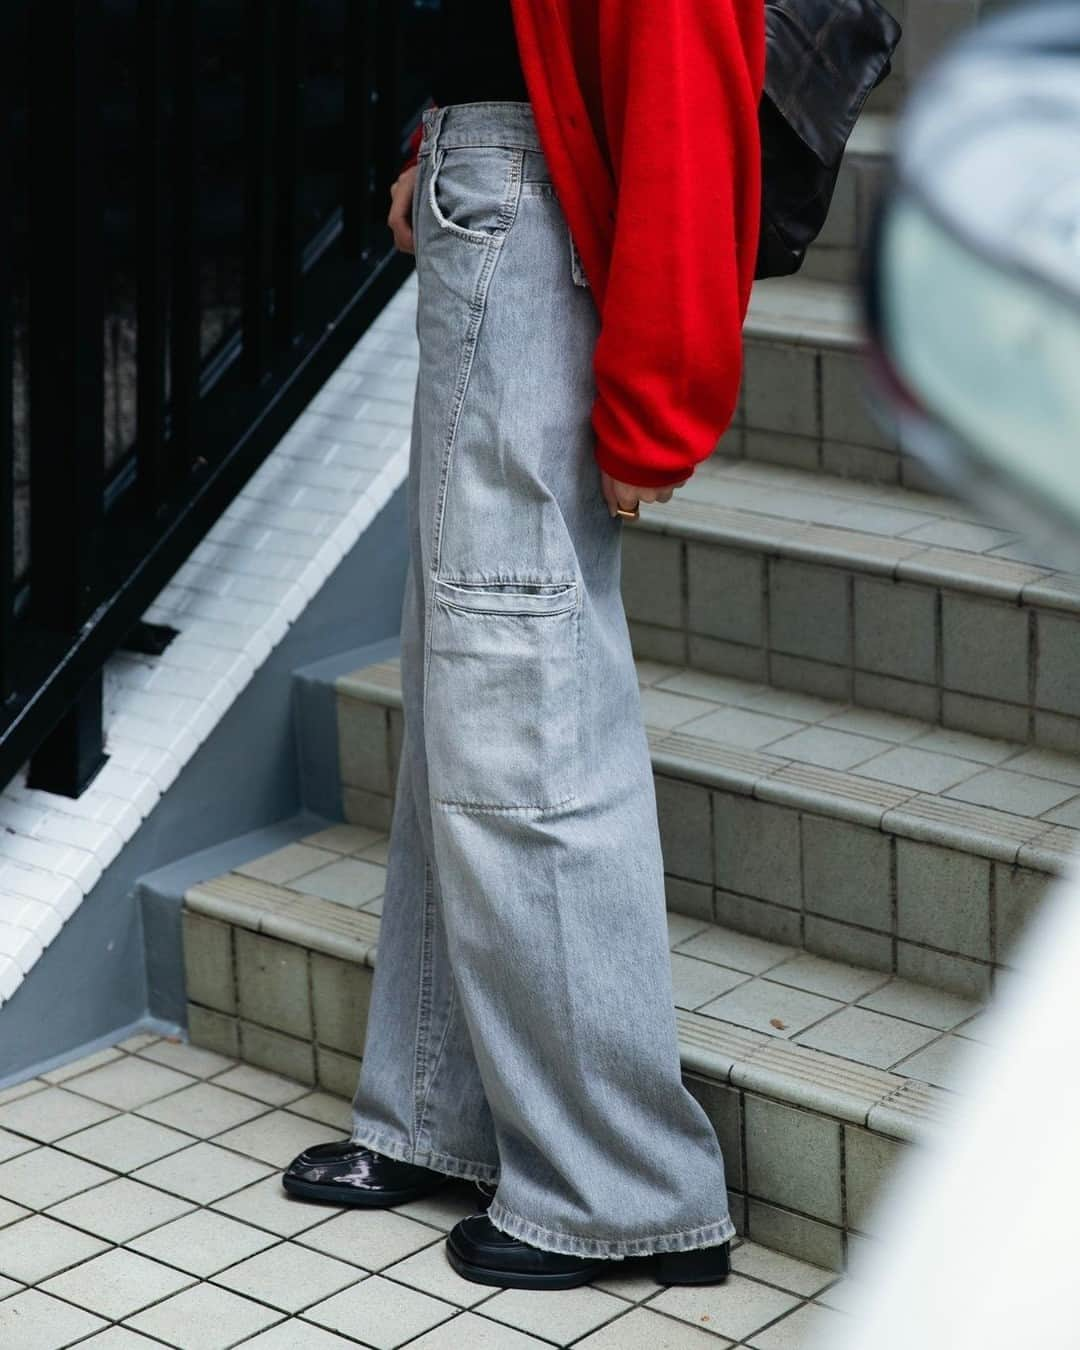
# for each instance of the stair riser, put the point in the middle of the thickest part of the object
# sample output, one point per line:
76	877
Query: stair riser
834	254
834	880
801	1181
970	662
803	405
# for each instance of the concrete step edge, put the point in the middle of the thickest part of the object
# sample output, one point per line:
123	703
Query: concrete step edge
723	1053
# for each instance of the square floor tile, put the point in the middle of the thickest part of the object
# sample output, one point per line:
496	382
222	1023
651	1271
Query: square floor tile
11	1145
740	727
51	1114
203	1109
349	881
380	1313
830	979
920	770
665	710
83	1065
556	1314
204	1317
323	1106
193	1059
945	1063
11	1213
120	1209
683	926
268	1205
737	951
139	1041
119	1338
737	1308
44	1175
920	1003
34	1321
444	1207
370	1238
696	982
476	1332
289	1277
1016	792
264	1086
23	1089
773	1008
344	838
633	1279
829	749
642	1329
286	864
808	1325
125	1141
203	1172
202	1242
868	1037
277	1137
116	1283
429	1271
795	1277
129	1082
297	1335
37	1247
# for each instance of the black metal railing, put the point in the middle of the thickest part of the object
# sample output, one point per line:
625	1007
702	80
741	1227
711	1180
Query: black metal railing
195	236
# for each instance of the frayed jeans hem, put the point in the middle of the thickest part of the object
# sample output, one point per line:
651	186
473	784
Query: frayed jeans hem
570	1244
401	1151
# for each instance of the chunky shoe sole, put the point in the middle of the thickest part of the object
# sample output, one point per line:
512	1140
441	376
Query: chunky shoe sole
520	1279
701	1265
352	1195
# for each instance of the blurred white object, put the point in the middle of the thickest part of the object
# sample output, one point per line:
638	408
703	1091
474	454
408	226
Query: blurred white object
973	309
980	1249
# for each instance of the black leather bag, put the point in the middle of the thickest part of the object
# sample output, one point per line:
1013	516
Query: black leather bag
823	58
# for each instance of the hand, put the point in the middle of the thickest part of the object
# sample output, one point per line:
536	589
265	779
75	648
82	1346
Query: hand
627	495
400	217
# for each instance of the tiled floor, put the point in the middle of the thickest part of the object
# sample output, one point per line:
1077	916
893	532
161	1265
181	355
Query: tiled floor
140	1206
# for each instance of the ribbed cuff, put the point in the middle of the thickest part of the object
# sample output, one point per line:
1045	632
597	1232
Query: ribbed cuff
632	471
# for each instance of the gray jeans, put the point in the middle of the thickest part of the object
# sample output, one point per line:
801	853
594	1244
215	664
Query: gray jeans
522	1027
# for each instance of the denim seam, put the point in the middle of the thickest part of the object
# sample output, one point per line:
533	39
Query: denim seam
423	1004
573	1244
401	1151
454	804
422	1118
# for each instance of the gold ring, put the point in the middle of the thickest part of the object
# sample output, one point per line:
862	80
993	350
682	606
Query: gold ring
629	515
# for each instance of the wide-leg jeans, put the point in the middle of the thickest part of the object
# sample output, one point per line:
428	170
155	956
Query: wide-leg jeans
522	1028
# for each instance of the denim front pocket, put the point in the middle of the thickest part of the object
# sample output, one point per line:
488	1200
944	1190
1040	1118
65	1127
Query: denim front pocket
473	189
503	694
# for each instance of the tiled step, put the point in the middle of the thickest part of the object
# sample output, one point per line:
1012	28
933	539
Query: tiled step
815	1074
902	601
856	835
803	401
167	1218
834	255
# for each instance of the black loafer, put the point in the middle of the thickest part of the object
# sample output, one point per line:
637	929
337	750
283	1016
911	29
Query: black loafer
480	1252
344	1173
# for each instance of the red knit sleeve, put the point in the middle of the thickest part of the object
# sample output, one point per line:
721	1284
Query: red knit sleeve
680	88
414	147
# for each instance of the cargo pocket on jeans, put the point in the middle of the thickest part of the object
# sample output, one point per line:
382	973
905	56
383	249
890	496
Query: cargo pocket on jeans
503	694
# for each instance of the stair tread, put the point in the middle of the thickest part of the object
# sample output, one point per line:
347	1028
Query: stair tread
866	1046
886	529
996	798
804	309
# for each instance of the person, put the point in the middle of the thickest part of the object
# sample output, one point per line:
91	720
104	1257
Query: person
582	201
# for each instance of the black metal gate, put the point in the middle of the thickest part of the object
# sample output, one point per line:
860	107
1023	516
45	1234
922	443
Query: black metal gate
194	238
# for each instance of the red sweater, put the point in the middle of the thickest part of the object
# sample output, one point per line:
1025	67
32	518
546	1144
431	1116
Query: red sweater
647	113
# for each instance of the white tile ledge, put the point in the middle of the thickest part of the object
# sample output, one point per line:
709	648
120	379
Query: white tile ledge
233	600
